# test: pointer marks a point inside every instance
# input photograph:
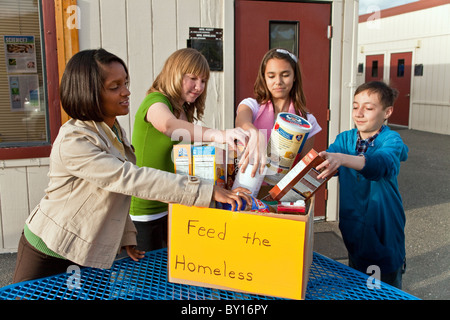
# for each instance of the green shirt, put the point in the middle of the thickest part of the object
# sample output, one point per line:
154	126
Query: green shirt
153	149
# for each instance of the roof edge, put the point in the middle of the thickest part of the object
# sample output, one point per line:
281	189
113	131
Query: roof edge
405	8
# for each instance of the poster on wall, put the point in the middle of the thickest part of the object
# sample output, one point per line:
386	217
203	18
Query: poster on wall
24	92
20	54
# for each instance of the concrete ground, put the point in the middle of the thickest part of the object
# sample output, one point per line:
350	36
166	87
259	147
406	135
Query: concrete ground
424	183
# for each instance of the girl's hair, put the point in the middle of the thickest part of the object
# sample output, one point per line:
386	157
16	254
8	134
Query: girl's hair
261	91
82	84
170	79
386	94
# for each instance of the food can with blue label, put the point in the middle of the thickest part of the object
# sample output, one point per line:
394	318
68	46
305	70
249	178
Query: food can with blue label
257	205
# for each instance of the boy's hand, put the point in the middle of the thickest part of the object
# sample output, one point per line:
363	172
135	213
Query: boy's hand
332	162
335	160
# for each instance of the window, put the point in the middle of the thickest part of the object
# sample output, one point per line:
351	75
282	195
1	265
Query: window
401	68
26	122
418	70
22	99
374	68
360	67
284	34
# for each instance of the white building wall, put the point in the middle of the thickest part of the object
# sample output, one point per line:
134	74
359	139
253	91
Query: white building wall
425	33
22	185
144	33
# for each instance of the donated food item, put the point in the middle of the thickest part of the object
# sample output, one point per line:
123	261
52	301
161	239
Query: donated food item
182	159
257	205
297	207
209	163
245	180
301	182
287	138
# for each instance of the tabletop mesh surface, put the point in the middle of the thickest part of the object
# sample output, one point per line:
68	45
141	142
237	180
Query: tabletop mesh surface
147	280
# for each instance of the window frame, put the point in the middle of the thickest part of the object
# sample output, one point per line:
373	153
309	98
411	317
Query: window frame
51	76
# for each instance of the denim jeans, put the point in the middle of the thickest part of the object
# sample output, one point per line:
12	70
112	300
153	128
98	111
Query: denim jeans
393	278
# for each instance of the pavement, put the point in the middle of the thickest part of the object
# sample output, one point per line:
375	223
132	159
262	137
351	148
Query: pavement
424	183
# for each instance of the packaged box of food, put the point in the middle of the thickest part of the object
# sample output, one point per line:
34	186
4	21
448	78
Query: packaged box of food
209	163
301	182
291	207
182	159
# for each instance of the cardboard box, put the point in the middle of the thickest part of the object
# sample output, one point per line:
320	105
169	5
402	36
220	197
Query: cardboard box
301	182
182	159
267	254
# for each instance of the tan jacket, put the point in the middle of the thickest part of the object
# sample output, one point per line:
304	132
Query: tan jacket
84	214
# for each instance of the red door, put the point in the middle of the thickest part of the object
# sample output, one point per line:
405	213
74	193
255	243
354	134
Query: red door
374	67
255	21
400	79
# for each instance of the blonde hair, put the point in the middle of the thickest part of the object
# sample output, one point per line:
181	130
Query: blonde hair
261	91
170	79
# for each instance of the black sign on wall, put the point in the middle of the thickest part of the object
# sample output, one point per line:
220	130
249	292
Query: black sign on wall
209	42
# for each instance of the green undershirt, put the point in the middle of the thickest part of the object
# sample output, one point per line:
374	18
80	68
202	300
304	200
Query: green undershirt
38	244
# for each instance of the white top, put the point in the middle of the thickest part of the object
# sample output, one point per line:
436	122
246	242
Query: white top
254	106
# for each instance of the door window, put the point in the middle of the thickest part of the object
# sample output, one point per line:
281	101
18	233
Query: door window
284	34
374	68
401	68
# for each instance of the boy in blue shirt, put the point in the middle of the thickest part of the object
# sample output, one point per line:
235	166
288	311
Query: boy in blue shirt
371	215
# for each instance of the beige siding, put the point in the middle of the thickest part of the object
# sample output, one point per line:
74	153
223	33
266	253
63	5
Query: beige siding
144	33
425	33
22	184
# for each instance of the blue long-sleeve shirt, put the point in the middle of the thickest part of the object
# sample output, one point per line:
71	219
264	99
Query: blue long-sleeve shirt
371	214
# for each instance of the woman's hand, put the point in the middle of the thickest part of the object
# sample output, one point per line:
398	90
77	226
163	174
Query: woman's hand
134	254
232	197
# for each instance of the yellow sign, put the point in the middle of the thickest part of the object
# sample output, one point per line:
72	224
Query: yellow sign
262	254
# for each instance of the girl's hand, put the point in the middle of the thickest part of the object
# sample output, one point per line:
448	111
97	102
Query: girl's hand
134	254
255	153
230	136
232	197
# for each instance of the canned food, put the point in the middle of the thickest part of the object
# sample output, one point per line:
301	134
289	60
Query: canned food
287	138
257	205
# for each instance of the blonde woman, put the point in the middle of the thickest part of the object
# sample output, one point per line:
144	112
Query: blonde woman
173	103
